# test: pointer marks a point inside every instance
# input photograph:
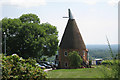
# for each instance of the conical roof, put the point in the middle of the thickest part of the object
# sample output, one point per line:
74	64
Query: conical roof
72	38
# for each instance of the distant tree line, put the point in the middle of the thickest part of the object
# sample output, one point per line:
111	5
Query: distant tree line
28	38
102	53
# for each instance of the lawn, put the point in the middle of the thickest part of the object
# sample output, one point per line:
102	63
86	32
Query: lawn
0	66
76	73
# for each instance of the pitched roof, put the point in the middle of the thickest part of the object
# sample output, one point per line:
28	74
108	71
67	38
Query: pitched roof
72	38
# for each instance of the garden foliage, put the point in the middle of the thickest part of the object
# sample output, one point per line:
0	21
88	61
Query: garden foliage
15	67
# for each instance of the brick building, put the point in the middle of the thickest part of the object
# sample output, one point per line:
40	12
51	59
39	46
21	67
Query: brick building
71	41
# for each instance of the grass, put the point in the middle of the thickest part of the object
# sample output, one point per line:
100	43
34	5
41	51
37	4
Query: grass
0	57
0	66
76	73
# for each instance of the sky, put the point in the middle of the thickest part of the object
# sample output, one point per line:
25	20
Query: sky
96	19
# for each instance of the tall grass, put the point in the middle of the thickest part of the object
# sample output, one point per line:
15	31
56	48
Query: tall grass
111	71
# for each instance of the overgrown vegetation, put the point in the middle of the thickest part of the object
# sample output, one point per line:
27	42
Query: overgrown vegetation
75	60
17	68
111	69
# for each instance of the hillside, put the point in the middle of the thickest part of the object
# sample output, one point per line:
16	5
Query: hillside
101	51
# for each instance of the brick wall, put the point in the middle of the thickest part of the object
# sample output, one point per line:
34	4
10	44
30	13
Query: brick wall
64	59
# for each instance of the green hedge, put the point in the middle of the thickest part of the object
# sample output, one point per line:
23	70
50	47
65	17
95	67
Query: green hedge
15	67
109	62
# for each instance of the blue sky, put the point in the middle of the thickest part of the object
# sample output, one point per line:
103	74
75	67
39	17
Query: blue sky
95	18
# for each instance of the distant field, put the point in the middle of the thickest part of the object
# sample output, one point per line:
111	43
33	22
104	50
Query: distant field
76	73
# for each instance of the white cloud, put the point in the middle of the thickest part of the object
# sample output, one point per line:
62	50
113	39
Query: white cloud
23	3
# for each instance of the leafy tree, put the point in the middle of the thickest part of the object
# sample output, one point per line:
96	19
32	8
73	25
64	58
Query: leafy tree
75	59
29	18
28	38
51	39
11	27
32	38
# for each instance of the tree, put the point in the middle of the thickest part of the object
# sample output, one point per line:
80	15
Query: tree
28	38
32	38
29	18
51	39
11	27
75	59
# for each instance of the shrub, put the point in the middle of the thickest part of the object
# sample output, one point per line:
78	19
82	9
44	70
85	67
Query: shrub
15	67
107	62
75	60
90	62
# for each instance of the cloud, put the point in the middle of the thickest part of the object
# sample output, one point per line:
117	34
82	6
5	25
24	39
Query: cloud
23	3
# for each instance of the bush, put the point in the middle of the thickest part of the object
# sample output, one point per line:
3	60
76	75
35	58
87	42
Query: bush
90	62
75	60
107	62
15	67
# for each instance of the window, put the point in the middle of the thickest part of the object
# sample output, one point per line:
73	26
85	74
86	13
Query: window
66	64
83	53
65	53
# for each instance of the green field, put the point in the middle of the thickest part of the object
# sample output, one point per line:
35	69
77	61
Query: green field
76	73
